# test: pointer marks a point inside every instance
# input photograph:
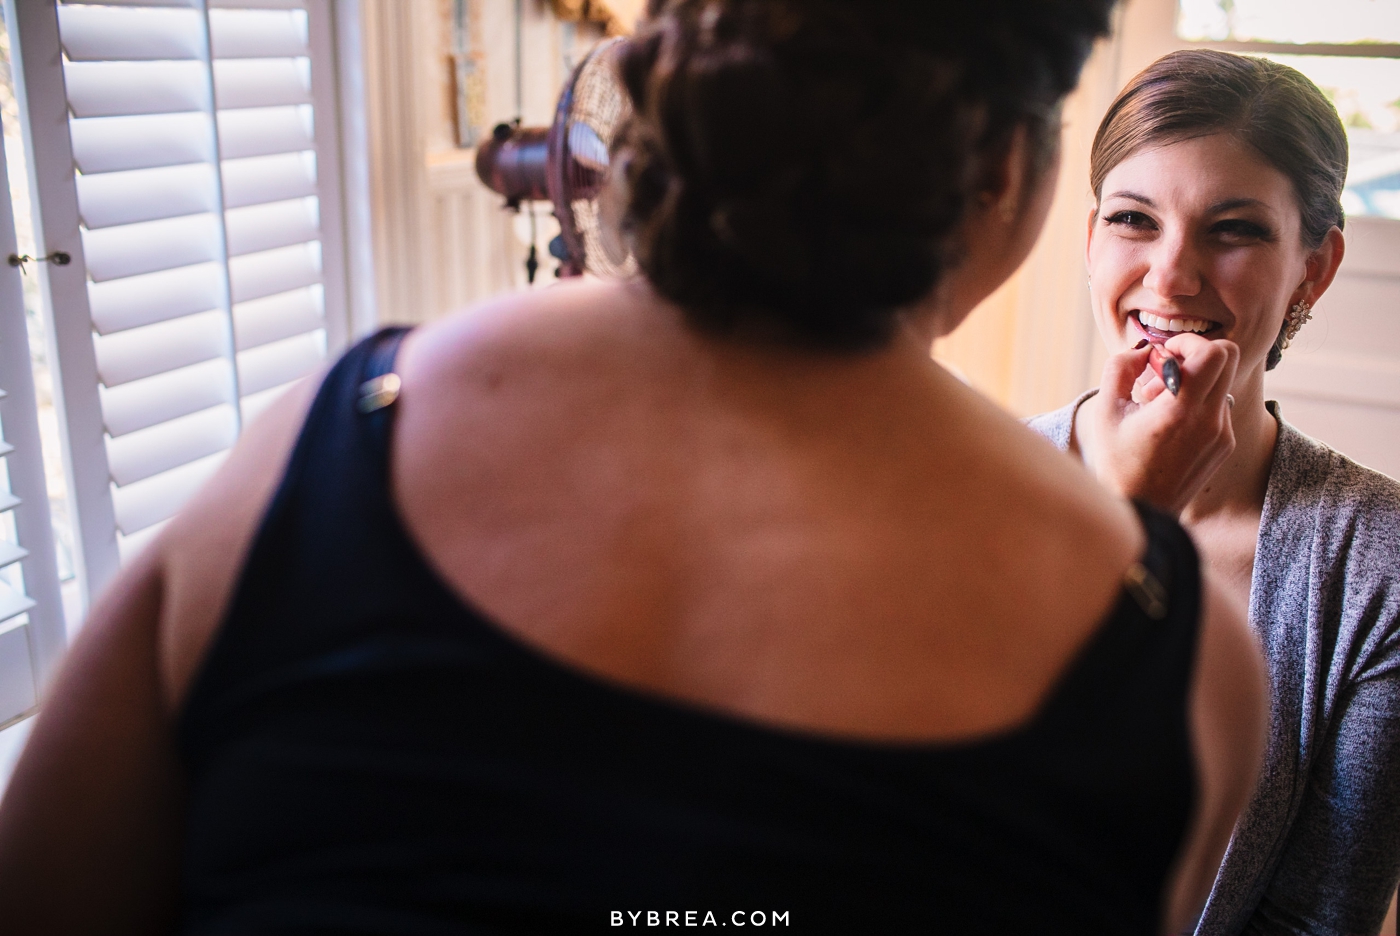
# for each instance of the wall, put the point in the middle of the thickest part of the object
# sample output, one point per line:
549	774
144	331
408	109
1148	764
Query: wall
442	240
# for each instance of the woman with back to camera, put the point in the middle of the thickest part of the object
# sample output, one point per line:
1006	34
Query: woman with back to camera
639	597
1217	227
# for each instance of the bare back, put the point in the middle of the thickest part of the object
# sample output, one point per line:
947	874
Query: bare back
767	533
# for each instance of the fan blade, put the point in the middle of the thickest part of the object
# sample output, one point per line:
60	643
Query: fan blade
587	148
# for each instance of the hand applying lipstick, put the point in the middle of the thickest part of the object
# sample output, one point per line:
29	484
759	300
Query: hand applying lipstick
1160	425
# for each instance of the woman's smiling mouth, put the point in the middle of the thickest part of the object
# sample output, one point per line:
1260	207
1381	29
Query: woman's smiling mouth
1160	328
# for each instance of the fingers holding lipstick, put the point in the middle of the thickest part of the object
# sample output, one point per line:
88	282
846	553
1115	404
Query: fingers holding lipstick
1122	374
1207	366
1152	445
1147	387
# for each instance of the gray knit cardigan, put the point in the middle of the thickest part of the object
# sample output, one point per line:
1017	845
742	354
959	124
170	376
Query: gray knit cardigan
1317	850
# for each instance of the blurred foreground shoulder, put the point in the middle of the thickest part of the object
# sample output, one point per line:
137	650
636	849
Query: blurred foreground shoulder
1229	723
200	554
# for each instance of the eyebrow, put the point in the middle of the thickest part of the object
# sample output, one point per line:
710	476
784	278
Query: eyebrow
1134	196
1228	204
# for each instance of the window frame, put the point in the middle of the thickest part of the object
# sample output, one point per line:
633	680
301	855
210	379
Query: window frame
343	187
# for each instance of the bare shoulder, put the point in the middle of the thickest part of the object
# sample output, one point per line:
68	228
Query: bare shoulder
200	554
521	336
1074	518
1229	719
1231	677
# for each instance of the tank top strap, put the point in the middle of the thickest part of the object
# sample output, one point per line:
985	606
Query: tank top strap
328	550
343	450
379	385
1144	654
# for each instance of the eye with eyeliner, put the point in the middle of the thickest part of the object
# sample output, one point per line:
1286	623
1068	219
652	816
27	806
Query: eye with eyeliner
1240	229
1132	220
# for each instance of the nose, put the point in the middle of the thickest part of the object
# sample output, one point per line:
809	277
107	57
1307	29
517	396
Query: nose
1174	268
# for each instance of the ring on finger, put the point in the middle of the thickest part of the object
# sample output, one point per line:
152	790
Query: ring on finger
1230	400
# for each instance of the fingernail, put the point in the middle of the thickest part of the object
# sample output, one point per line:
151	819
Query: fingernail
1141	344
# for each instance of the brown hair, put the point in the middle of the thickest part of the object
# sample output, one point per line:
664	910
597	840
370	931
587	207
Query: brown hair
798	169
1287	120
1273	108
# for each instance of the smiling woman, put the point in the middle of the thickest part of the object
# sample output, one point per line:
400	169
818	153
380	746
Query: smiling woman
1217	226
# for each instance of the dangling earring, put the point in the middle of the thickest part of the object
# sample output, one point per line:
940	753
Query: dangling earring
1298	316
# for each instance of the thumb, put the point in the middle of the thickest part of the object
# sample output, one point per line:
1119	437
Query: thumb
1120	373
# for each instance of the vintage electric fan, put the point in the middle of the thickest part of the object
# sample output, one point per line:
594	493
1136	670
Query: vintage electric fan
569	165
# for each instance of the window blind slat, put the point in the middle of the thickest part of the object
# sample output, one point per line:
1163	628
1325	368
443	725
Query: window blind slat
17	691
259	179
142	504
261	321
263	131
193	4
155	297
147	452
254	276
258	33
164	346
138	404
109	198
111	144
280	362
13	603
262	82
97	33
278	224
151	246
115	89
11	553
257	4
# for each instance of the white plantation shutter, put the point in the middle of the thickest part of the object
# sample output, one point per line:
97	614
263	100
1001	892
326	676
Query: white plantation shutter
208	275
31	612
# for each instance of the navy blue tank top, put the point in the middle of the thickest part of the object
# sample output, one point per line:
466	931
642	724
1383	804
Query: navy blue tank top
366	753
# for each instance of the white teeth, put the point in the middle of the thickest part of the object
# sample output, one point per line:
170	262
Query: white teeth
1174	325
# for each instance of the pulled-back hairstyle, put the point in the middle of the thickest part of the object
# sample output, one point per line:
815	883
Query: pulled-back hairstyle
797	169
1275	109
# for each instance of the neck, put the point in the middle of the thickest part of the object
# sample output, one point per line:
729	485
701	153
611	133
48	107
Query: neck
1239	486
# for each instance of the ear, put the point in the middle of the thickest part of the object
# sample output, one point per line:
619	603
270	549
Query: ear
1321	268
1006	183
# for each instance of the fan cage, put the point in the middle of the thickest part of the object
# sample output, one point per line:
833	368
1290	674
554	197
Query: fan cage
582	180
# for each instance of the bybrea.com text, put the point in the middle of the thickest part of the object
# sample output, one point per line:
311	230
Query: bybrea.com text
651	918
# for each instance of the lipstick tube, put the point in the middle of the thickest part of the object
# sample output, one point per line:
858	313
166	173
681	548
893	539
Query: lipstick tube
1166	366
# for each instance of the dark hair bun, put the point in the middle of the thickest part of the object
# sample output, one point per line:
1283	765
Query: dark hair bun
798	168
